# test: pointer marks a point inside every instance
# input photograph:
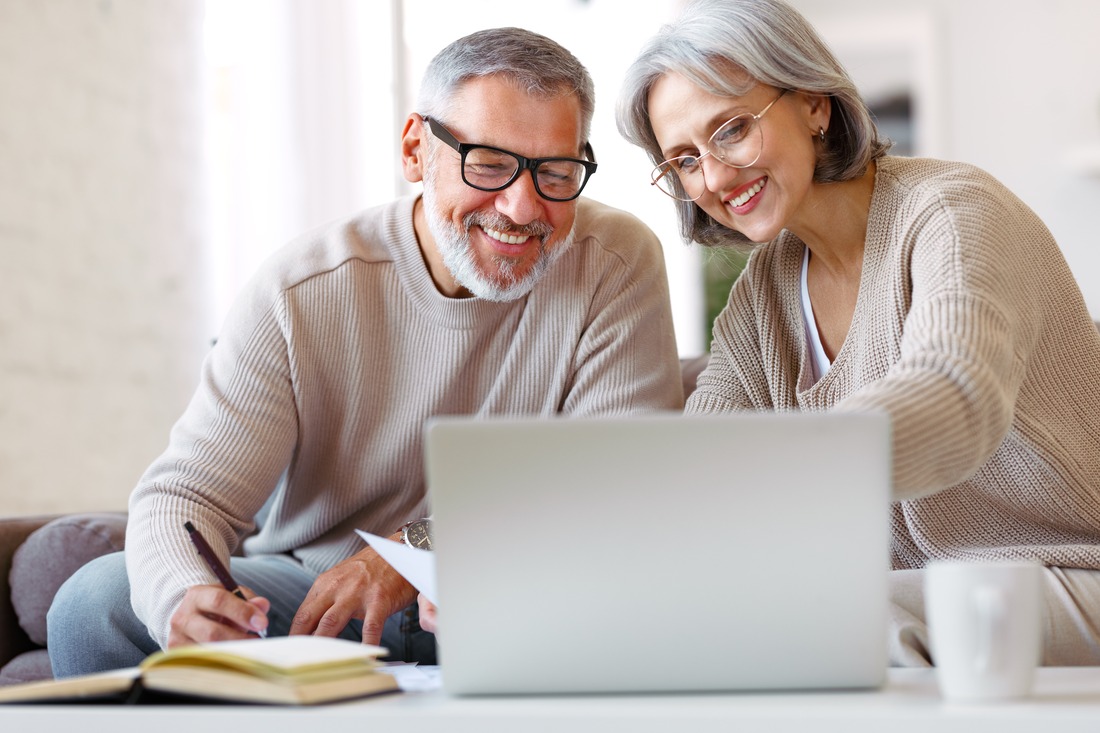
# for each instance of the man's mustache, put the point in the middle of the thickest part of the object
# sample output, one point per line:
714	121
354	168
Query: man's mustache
502	223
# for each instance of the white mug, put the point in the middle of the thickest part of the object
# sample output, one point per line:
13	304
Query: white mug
985	627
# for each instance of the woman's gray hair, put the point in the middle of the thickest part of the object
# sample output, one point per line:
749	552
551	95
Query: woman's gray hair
728	46
533	62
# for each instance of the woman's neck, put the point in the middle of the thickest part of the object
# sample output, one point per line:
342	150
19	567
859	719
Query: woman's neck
833	222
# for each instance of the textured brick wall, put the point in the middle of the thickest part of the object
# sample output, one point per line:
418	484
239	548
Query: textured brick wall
101	243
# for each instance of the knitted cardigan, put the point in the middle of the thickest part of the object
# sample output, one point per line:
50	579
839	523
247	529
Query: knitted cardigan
971	333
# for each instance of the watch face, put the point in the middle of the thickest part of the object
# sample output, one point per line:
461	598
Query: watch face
418	534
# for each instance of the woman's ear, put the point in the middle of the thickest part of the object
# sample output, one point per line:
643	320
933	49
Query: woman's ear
413	149
818	110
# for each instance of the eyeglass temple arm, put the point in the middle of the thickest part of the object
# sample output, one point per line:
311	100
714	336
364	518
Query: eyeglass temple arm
664	172
440	131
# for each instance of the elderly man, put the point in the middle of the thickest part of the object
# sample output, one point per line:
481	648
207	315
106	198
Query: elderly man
496	292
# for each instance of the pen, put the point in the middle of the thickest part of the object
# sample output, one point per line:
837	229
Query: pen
207	554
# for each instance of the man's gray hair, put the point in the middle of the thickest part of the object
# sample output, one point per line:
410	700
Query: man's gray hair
533	62
728	46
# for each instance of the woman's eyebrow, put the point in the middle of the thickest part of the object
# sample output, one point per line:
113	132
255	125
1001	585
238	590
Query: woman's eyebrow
711	124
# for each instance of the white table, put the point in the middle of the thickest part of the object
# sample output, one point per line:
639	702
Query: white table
1066	700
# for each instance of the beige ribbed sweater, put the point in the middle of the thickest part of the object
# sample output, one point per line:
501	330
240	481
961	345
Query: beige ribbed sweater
971	333
338	351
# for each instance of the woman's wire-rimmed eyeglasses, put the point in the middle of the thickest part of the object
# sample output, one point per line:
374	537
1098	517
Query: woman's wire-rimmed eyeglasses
738	142
493	169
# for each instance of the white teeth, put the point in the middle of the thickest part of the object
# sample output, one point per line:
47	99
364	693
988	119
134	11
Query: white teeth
506	238
743	198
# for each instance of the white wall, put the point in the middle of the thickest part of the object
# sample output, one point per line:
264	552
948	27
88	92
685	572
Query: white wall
101	244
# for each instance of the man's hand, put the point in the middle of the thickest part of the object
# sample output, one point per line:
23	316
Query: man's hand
362	587
427	614
211	613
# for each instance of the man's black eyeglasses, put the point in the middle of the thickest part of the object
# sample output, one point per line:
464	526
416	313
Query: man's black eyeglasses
493	169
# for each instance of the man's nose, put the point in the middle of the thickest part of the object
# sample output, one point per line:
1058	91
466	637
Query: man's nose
520	202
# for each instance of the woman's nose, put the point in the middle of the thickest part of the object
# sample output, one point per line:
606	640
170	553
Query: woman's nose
716	174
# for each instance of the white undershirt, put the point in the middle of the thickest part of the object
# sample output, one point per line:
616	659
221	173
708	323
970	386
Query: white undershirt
819	361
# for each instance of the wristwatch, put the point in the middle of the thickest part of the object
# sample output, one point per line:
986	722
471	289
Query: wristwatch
418	534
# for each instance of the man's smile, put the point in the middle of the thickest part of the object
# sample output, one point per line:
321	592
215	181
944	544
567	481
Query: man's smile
506	238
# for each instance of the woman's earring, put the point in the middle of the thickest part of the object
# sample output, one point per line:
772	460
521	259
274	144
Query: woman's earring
821	134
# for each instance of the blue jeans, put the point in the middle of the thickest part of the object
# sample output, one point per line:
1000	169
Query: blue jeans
91	626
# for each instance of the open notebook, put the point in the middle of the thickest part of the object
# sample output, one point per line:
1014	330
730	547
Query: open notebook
286	670
661	553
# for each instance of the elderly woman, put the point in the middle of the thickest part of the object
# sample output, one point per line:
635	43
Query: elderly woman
921	288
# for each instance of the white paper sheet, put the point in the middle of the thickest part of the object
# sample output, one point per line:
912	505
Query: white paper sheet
415	565
414	677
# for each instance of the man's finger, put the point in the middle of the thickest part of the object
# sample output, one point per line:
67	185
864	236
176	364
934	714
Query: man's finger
373	622
304	622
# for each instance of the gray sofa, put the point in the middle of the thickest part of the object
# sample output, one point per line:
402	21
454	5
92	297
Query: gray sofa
37	554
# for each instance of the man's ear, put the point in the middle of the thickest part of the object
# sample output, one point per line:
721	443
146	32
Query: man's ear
413	149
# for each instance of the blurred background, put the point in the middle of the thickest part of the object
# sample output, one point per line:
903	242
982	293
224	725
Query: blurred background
153	152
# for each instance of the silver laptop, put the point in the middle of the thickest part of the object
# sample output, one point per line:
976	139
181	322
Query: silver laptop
661	553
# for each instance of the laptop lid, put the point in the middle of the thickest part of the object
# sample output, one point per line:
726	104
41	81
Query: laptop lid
661	553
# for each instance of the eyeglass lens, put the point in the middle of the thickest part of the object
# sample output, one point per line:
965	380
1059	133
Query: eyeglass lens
491	169
737	143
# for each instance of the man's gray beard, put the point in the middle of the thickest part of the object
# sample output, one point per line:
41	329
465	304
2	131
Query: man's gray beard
458	255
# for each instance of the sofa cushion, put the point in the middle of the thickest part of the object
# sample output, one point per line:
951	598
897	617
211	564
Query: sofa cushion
27	667
50	555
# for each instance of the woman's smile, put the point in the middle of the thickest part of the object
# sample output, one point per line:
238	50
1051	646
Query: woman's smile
745	198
